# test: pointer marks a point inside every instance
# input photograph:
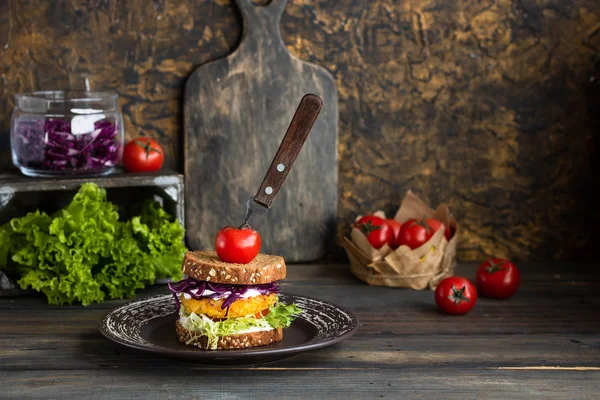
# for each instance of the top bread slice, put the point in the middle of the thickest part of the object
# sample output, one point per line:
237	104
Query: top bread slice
207	266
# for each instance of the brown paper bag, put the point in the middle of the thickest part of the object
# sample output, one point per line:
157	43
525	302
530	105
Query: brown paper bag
418	269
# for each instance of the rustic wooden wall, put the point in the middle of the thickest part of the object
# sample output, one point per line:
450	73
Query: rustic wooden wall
491	106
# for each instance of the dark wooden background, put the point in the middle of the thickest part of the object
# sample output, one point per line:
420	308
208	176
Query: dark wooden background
490	106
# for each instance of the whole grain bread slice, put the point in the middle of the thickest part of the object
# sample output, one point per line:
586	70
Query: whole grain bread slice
207	266
229	342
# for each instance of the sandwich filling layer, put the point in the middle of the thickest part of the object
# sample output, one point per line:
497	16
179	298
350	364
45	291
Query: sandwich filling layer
211	311
213	308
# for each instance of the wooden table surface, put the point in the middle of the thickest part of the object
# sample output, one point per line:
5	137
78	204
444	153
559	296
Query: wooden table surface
543	343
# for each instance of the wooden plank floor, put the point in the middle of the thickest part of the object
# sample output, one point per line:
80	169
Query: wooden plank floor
543	343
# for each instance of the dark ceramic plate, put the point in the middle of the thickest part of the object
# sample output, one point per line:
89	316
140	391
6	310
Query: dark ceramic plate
149	325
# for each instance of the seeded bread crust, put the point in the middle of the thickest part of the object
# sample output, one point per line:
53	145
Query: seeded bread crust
231	342
207	266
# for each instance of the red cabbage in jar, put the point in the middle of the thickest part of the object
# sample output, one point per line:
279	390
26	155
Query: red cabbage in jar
50	144
66	133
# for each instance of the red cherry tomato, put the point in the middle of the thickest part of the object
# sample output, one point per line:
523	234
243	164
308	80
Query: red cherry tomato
498	278
237	245
414	233
455	295
376	230
436	225
395	225
143	155
448	233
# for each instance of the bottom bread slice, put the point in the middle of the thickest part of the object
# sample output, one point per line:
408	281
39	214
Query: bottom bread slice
240	341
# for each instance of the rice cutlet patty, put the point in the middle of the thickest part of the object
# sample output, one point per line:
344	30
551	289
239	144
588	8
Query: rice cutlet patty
240	308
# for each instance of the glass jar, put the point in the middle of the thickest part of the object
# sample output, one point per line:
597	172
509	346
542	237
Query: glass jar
58	133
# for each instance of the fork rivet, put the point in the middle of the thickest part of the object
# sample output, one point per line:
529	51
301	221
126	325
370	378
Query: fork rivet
268	190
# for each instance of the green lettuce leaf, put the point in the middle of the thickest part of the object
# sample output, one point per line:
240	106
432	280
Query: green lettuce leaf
84	254
280	316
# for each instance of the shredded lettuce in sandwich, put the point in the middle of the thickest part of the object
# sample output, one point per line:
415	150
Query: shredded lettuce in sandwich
280	316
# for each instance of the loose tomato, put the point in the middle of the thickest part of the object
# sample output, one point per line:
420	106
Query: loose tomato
377	231
436	225
498	278
262	313
414	233
395	225
455	295
237	245
143	155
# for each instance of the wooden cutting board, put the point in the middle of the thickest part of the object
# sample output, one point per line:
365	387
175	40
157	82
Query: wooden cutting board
236	111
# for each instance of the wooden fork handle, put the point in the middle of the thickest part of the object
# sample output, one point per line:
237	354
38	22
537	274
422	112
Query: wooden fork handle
304	118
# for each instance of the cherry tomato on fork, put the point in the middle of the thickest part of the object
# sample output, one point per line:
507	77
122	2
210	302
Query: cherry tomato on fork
237	245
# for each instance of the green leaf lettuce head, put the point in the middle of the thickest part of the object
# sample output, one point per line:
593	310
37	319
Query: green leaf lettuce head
279	316
84	254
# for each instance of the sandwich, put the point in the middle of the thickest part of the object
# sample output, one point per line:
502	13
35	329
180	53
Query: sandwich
231	306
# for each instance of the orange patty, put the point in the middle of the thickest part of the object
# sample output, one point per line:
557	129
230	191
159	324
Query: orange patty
239	308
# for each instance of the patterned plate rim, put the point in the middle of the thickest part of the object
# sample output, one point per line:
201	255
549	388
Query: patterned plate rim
311	344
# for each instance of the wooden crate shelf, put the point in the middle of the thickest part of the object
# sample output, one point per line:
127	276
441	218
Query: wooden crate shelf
21	193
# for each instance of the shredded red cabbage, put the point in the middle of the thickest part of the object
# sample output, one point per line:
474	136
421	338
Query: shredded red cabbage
196	289
49	144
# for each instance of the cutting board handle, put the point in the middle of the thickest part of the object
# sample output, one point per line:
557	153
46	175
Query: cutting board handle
261	36
273	10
